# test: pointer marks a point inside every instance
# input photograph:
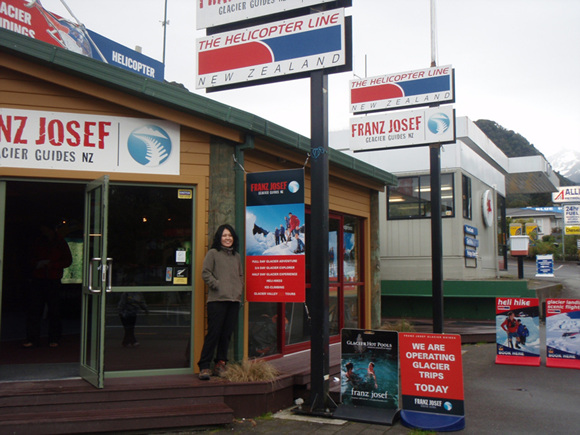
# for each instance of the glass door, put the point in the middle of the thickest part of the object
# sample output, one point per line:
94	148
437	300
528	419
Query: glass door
97	270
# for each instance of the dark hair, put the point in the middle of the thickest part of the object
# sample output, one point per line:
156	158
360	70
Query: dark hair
217	238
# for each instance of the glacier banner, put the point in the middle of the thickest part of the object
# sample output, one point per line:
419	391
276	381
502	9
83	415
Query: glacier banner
563	333
275	236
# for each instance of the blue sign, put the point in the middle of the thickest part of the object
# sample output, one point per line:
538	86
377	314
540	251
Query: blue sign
470	241
545	265
468	229
123	57
470	253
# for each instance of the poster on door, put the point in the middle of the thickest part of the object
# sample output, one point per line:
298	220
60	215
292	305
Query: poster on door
275	236
563	333
517	327
431	381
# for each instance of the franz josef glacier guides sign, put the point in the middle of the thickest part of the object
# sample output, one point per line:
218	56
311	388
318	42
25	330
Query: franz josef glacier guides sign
80	142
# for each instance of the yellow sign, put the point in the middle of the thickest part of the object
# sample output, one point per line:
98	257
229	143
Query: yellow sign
572	230
515	229
532	231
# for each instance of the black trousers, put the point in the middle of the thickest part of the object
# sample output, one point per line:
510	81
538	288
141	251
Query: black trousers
43	292
222	318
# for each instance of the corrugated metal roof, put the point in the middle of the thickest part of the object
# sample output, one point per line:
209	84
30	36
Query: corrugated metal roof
178	98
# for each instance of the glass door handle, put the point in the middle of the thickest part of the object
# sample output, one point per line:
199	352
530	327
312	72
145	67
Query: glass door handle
109	287
91	265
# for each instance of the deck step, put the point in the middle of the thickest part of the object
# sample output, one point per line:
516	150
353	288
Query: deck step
115	420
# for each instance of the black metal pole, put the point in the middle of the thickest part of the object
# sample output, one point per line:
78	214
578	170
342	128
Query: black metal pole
436	238
319	341
520	267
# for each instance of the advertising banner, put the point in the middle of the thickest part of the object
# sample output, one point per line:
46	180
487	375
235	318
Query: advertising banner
80	142
29	18
567	194
275	236
532	230
517	325
272	50
212	13
369	388
563	333
572	219
516	229
402	129
431	381
402	90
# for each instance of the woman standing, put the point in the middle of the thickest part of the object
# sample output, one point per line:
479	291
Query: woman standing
223	274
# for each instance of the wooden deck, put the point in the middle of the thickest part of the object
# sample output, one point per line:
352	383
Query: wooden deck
125	404
171	402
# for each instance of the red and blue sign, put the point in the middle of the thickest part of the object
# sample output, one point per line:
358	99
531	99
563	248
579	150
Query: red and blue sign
563	333
402	90
431	381
32	20
517	331
272	50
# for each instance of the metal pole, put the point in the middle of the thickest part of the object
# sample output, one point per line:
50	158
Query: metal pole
164	31
436	238
319	332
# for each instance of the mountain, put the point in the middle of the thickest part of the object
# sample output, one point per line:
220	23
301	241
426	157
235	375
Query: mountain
515	145
567	163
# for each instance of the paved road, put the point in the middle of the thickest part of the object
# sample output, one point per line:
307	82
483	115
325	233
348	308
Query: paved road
499	399
566	273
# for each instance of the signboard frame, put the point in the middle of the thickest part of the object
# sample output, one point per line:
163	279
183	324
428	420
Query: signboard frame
403	128
345	66
257	14
403	90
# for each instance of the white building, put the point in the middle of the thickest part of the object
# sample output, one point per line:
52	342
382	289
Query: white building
475	178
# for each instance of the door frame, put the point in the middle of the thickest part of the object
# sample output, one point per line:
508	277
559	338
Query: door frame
96	282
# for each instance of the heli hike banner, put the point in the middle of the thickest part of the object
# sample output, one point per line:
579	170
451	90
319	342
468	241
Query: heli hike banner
80	142
563	333
271	50
29	18
402	90
275	236
431	381
217	12
517	331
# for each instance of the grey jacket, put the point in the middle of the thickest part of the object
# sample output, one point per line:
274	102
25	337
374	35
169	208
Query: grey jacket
222	272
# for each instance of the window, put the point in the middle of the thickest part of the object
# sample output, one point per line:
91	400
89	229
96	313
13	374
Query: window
285	327
466	188
412	198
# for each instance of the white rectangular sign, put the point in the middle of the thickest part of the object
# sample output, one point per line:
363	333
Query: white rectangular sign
572	214
271	50
402	129
80	142
402	90
212	13
567	194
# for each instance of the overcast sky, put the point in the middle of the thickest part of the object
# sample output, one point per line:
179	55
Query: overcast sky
516	61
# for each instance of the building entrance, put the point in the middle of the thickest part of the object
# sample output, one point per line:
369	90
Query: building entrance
28	207
139	320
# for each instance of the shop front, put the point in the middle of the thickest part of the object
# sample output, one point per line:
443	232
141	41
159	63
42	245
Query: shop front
134	176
